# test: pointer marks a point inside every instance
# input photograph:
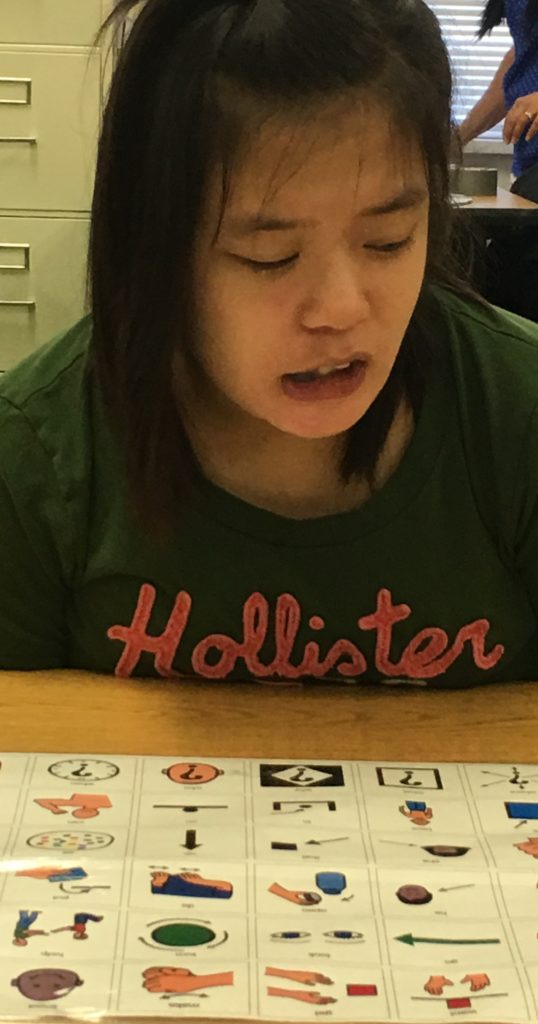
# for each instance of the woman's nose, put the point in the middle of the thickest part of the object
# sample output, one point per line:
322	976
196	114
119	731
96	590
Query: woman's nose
338	300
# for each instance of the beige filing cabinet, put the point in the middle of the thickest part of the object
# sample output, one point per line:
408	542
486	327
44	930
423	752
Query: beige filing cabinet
51	93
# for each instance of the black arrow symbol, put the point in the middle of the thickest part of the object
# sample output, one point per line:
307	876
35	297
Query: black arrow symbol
190	840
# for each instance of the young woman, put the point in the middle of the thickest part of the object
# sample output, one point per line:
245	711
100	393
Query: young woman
513	93
289	442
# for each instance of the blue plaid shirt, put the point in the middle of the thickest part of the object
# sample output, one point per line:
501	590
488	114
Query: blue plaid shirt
522	78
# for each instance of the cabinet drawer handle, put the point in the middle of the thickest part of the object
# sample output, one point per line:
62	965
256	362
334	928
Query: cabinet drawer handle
25	249
27	102
29	304
31	140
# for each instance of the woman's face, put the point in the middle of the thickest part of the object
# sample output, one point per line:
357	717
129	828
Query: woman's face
347	271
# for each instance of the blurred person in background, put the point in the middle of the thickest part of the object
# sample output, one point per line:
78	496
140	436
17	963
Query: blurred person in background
513	92
507	275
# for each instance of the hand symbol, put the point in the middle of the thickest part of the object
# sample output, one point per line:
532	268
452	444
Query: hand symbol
303	977
179	979
436	984
304	997
477	981
304	899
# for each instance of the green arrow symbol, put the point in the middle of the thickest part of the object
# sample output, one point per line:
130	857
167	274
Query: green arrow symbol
411	940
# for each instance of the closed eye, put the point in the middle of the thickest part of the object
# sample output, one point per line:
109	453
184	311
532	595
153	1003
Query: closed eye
391	247
385	249
259	266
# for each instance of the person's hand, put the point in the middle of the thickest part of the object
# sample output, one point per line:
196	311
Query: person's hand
304	997
195	879
167	979
304	977
39	872
529	846
304	899
436	983
522	119
179	979
477	981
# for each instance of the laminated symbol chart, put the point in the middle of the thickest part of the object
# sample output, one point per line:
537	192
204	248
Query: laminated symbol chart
260	890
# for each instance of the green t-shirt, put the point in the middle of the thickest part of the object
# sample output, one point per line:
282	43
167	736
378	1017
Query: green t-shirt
435	578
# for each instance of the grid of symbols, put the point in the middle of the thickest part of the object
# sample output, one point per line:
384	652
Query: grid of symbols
229	888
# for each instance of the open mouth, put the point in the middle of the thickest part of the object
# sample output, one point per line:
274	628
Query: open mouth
344	370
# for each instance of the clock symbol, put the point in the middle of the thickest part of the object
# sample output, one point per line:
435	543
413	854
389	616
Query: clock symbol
84	770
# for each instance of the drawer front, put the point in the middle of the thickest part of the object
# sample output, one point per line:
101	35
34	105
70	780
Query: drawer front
42	281
49	124
57	22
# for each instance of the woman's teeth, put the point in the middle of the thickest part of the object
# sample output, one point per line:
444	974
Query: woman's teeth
324	370
307	376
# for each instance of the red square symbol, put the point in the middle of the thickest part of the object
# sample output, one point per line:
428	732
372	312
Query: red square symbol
361	990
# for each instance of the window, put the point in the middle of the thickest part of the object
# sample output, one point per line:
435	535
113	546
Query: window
474	63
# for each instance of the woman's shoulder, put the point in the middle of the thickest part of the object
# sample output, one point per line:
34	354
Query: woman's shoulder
493	372
54	368
44	406
493	352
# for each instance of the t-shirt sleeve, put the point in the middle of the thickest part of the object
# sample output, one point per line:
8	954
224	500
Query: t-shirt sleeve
33	518
525	513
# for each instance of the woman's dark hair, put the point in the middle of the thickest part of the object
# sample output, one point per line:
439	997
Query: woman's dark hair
195	81
494	12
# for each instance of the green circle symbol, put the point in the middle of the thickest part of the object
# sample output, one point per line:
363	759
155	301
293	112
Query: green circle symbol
176	933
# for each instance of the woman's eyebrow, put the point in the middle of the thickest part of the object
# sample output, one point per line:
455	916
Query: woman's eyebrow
256	223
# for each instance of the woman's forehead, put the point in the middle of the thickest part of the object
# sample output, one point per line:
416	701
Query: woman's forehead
294	170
